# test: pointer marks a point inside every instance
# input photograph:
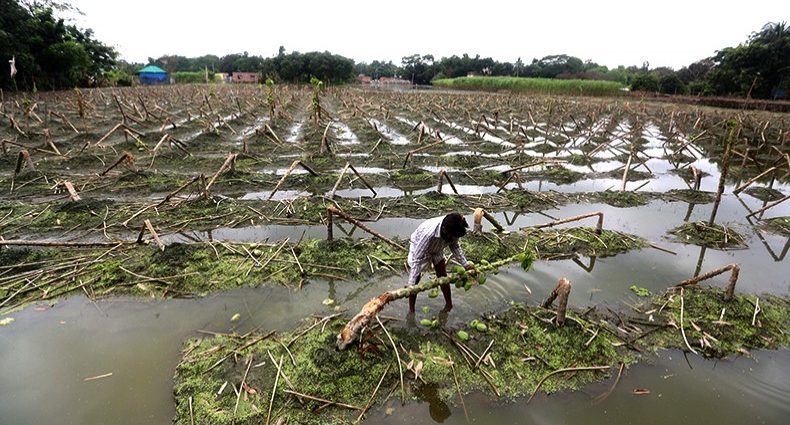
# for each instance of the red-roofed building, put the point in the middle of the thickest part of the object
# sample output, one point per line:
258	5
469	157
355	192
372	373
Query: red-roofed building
245	77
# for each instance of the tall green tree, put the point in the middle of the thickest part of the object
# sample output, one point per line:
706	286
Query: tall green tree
49	53
757	68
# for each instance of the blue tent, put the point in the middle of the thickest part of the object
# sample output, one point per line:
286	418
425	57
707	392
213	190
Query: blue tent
152	74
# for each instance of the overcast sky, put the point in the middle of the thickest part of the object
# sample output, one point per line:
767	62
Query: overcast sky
665	33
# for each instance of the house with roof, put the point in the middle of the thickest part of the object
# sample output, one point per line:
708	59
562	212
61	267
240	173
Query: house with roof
152	74
245	77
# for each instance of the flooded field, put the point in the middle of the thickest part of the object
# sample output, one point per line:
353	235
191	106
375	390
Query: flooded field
152	239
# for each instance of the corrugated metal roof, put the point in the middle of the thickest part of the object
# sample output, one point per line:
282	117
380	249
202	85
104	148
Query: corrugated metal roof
152	69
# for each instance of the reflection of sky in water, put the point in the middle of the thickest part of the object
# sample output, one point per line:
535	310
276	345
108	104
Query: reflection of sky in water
390	134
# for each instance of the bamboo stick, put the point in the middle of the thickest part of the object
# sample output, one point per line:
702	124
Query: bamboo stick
729	290
598	225
334	211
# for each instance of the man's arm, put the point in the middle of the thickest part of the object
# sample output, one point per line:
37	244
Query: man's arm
458	253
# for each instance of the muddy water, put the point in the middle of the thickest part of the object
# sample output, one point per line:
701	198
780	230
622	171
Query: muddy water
47	352
739	391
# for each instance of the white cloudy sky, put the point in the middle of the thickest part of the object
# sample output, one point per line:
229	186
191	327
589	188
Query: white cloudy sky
611	32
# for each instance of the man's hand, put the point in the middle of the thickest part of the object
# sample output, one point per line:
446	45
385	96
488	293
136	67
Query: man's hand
469	266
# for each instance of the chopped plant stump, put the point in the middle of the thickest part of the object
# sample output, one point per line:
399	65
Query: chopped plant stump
200	268
716	236
519	347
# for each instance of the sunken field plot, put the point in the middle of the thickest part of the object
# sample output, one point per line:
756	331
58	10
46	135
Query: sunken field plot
185	191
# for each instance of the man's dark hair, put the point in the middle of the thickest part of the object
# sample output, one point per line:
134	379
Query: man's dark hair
454	225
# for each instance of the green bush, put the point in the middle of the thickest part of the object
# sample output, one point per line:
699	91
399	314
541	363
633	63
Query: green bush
645	82
186	77
671	84
539	85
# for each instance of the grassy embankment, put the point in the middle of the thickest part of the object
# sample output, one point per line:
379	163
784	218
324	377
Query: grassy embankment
534	85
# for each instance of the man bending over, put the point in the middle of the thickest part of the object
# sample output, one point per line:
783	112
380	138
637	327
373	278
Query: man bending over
427	245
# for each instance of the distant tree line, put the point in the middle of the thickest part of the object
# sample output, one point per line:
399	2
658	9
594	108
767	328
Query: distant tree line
49	53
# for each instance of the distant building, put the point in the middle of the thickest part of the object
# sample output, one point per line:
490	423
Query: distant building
363	79
152	74
392	80
245	77
221	77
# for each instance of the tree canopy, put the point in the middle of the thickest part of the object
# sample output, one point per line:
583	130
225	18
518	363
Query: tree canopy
49	53
757	68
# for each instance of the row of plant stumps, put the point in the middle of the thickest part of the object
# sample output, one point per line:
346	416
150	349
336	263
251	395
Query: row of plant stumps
96	179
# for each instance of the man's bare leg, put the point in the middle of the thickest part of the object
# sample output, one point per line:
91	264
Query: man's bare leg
441	271
413	298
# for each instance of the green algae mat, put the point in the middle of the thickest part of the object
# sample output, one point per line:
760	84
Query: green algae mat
299	376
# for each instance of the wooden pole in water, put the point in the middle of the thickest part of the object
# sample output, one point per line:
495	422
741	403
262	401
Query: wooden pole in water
725	166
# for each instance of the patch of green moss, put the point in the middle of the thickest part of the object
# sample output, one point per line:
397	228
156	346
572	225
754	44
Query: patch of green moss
712	236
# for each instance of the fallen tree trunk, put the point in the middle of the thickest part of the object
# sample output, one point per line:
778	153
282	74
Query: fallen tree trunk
351	332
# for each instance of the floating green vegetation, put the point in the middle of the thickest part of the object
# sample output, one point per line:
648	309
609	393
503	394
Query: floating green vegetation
716	328
201	268
299	377
763	193
557	175
622	199
778	225
640	291
691	196
436	201
561	243
633	175
412	177
533	201
712	236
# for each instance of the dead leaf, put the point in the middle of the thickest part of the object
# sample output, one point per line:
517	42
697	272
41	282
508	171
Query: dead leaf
418	369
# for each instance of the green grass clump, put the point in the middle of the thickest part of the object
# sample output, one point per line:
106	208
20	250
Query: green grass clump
778	225
765	194
534	85
717	328
622	199
712	236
